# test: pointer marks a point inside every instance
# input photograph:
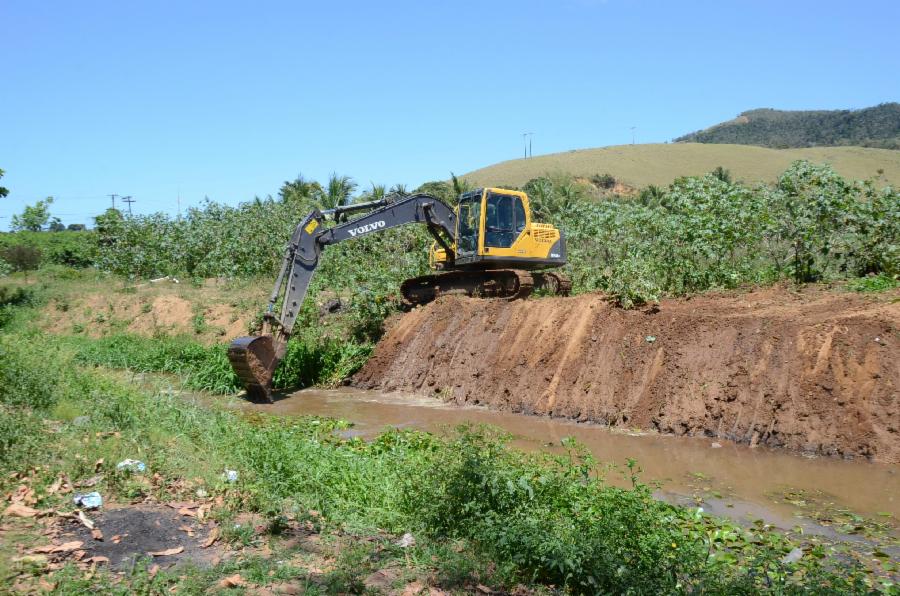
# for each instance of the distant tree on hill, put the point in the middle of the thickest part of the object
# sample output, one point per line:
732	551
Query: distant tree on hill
75	227
56	225
878	126
3	191
605	181
34	218
722	174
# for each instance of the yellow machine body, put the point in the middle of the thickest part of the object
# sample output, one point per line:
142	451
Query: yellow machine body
495	228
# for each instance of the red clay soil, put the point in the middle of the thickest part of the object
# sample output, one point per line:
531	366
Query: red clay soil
816	371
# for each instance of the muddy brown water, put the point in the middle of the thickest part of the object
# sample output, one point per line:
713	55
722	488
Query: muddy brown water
734	480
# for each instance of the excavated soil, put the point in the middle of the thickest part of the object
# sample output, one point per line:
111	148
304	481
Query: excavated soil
816	371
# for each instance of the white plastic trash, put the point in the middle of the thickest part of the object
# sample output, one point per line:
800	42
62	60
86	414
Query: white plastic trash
88	500
231	475
131	465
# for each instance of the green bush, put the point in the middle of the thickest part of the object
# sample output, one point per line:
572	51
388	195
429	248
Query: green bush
704	232
700	233
70	248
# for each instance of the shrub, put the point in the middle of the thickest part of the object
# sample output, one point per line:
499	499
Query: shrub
604	181
22	258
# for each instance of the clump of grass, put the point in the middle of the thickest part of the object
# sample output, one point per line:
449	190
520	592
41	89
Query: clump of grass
874	283
308	361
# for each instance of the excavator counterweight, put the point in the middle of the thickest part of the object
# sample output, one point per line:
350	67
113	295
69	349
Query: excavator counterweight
487	246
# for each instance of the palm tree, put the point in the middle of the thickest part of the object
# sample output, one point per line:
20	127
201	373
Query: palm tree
300	189
378	191
460	185
337	192
400	189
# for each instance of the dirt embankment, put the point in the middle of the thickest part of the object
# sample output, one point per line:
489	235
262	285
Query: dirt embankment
816	371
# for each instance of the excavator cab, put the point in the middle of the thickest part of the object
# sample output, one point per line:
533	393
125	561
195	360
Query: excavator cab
495	229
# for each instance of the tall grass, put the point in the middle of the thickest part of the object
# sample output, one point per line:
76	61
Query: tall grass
308	361
539	519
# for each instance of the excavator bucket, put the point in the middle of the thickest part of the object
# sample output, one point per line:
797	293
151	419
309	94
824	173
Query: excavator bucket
254	360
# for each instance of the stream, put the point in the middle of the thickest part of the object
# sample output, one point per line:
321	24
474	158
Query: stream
736	481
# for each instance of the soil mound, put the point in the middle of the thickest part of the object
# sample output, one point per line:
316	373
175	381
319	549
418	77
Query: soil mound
816	371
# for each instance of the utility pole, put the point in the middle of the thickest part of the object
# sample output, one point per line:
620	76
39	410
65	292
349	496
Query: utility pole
530	152
113	197
128	200
526	140
632	134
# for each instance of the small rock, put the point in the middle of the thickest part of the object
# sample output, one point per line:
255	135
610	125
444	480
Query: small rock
793	556
406	541
716	445
650	339
201	494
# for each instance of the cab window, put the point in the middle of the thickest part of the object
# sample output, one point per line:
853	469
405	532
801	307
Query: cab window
504	220
469	216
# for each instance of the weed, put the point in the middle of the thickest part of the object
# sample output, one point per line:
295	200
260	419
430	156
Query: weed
873	283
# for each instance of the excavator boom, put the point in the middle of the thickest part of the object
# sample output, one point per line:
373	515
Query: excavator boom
255	358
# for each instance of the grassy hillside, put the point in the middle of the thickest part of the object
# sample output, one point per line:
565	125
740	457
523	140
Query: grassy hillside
878	126
660	164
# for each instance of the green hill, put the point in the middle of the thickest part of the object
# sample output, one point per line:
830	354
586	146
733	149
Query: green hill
659	164
878	126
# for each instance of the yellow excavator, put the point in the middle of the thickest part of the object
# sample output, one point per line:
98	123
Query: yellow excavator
488	245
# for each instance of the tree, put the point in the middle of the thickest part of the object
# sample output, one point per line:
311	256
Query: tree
460	185
722	174
604	181
300	190
22	257
56	225
75	227
34	218
3	191
440	189
338	191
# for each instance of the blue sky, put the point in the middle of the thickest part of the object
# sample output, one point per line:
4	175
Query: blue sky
229	99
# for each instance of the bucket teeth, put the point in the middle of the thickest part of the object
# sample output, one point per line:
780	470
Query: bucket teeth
254	360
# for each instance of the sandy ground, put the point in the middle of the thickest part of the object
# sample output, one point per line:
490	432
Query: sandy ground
815	371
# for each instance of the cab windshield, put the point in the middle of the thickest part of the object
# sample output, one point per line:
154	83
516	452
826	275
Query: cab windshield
469	221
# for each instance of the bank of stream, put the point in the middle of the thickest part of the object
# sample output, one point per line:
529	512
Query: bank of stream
821	495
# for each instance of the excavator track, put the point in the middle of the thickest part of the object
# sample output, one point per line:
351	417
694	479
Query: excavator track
553	282
508	284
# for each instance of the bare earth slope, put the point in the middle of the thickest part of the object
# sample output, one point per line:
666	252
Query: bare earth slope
816	371
660	164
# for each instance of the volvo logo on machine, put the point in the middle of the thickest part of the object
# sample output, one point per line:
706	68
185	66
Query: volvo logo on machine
366	228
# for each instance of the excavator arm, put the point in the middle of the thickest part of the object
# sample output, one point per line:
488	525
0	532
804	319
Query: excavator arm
255	358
